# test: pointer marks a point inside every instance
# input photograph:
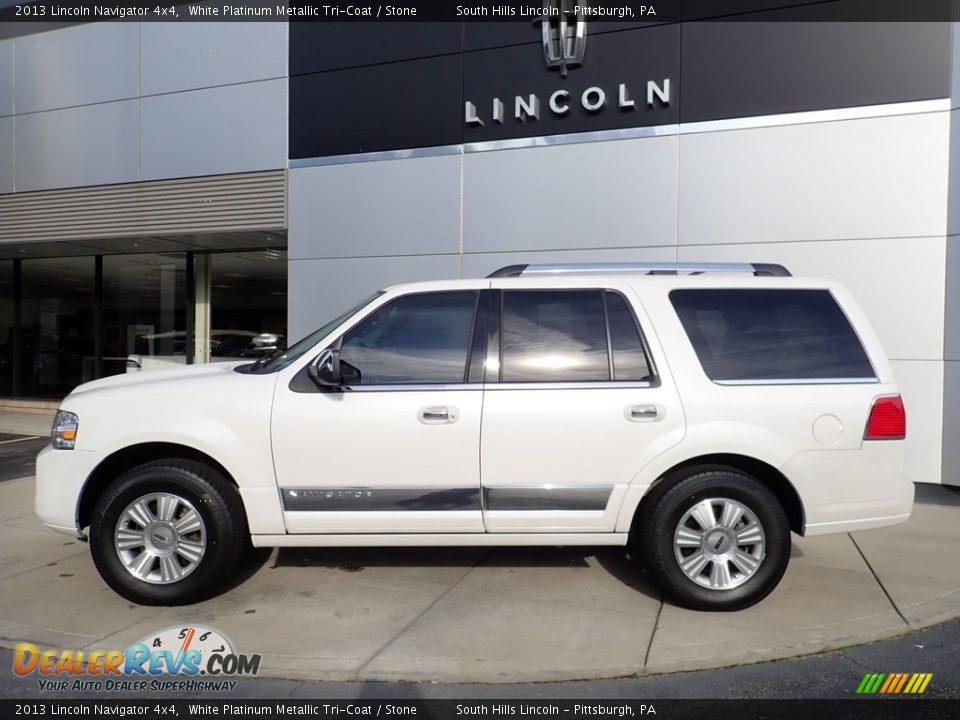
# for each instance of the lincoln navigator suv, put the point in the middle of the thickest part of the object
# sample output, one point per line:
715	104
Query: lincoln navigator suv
695	414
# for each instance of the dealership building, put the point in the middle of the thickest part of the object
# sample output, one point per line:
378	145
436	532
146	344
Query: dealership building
193	192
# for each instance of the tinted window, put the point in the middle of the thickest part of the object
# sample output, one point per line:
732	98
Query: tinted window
770	334
554	336
629	359
414	339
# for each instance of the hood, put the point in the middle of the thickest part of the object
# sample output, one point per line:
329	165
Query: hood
152	377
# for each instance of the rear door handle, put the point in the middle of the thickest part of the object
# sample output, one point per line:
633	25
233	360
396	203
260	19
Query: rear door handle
437	415
644	413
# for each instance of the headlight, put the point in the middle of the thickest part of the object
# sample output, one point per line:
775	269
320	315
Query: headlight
64	432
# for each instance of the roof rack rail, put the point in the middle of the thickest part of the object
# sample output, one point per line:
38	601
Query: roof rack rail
649	268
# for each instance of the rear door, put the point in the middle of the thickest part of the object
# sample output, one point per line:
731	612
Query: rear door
573	408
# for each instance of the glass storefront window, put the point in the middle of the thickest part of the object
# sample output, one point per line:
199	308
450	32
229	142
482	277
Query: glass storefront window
144	312
56	325
248	304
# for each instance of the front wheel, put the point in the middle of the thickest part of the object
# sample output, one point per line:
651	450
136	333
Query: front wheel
168	532
716	540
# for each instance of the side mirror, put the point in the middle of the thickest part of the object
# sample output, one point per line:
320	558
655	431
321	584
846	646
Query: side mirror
325	369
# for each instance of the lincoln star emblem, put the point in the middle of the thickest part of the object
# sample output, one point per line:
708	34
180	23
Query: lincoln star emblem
564	30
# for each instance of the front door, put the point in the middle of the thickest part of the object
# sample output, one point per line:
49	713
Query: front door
396	449
573	407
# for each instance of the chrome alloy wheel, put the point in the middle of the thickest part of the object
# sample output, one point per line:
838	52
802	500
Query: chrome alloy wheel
719	543
160	538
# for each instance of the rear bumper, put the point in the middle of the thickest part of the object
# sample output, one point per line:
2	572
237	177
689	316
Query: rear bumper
61	475
847	490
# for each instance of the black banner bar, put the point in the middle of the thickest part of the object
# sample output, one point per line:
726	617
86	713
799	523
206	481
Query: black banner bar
625	11
164	709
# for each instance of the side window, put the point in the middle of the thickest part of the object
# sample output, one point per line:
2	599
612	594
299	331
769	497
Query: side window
629	359
415	339
747	334
553	336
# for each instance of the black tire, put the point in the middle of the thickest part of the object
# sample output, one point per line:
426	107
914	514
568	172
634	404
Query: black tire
214	499
661	513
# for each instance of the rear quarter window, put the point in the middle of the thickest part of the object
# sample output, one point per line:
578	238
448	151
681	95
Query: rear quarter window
771	335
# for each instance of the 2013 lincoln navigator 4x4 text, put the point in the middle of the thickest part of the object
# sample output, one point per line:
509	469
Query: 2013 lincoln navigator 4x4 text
695	413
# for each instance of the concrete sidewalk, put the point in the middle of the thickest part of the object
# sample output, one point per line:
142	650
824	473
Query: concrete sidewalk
479	615
33	422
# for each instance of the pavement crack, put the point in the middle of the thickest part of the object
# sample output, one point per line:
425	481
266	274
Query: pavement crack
877	578
423	612
656	624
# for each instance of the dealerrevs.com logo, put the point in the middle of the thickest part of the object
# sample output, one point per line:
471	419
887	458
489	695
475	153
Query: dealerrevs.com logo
205	656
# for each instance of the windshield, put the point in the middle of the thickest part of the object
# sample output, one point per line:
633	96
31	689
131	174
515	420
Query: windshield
278	362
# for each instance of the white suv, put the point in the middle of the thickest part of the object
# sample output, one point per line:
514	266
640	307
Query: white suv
693	413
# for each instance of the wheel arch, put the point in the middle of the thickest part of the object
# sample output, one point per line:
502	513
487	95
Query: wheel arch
118	462
773	479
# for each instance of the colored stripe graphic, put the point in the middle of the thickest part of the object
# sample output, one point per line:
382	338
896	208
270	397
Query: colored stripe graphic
894	683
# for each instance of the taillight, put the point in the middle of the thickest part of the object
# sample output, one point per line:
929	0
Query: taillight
888	420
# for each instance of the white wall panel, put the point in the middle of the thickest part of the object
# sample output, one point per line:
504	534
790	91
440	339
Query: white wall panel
921	385
6	78
90	63
899	283
482	264
390	207
239	128
6	154
90	145
879	177
187	56
590	195
322	289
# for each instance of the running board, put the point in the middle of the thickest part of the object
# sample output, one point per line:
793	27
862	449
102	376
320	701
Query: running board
439	540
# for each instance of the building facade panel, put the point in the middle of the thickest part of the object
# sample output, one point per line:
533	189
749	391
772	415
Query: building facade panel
875	177
87	145
392	207
950	461
6	78
318	47
237	128
413	103
81	65
322	289
588	195
742	69
951	324
921	383
189	56
6	154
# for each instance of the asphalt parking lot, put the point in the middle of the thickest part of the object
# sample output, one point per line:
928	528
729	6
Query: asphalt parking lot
459	615
18	454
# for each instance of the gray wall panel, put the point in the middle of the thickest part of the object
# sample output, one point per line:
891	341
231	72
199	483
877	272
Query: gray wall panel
322	289
6	78
951	423
239	128
187	56
392	207
91	145
91	63
6	154
951	324
591	195
877	177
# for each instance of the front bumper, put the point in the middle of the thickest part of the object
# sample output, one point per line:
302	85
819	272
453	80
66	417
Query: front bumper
61	475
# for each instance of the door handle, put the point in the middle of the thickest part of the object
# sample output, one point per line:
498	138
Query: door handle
644	413
437	415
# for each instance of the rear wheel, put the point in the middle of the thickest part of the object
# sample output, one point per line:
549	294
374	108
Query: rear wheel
716	539
168	532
